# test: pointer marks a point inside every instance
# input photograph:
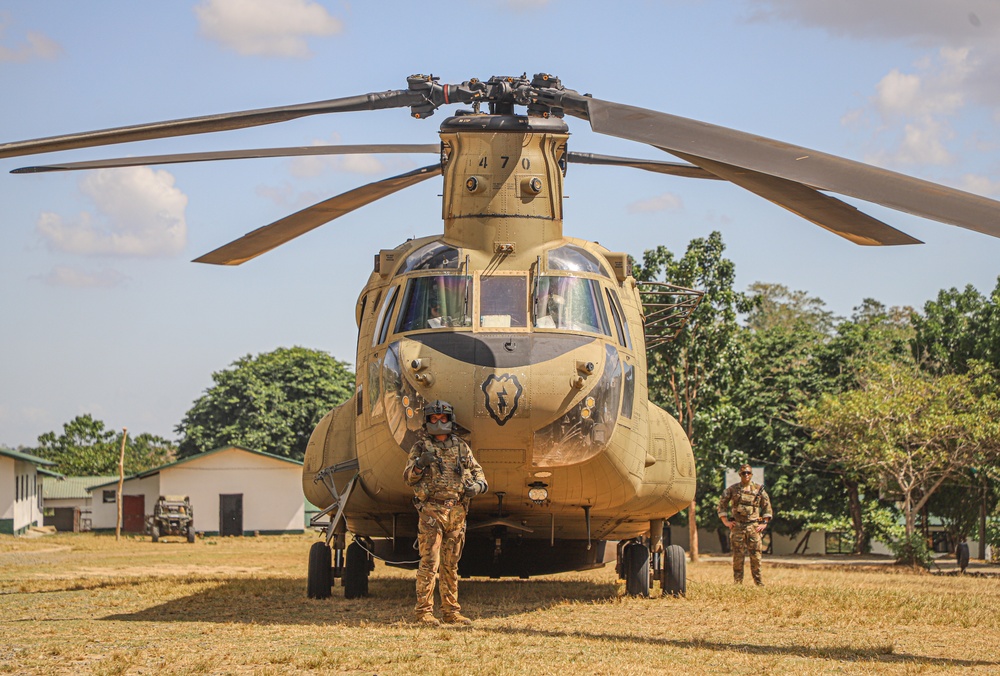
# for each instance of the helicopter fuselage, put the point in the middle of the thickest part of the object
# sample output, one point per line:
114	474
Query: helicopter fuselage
537	341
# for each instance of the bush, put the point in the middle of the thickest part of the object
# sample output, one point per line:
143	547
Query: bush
912	551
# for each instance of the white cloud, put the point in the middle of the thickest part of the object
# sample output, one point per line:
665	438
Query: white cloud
272	28
83	279
980	185
139	212
665	202
35	46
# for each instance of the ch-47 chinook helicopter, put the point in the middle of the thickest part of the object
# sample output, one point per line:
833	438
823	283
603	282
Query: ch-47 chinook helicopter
538	339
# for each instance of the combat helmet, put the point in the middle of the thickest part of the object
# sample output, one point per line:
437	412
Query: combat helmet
442	426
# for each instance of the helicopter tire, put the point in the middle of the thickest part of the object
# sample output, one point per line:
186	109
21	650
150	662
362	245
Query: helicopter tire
635	565
674	581
154	533
190	534
356	571
320	578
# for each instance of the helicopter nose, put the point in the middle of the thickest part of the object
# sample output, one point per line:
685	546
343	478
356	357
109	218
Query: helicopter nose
583	428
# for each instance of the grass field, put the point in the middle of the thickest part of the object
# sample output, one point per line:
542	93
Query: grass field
89	604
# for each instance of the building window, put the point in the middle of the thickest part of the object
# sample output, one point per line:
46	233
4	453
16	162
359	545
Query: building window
110	497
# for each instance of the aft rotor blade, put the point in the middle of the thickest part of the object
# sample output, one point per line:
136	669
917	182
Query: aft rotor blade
234	155
270	236
210	123
688	138
825	211
660	167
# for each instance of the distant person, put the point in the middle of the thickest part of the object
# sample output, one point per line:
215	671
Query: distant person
751	509
445	477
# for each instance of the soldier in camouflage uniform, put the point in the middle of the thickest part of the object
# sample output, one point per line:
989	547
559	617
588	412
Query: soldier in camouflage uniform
751	508
445	477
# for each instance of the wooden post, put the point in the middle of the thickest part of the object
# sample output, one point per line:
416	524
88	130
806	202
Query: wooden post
693	531
121	482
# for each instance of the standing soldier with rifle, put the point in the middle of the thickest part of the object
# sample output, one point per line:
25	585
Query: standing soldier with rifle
445	477
751	508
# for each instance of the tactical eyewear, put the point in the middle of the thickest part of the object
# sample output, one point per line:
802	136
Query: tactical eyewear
745	473
438	417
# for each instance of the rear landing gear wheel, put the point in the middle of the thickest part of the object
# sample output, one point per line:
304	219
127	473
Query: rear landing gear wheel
635	566
356	571
674	580
154	533
320	571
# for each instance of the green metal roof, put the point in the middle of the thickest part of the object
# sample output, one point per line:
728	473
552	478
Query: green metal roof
18	455
73	487
157	470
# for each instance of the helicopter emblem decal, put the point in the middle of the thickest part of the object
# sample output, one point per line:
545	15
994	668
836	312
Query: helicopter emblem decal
502	395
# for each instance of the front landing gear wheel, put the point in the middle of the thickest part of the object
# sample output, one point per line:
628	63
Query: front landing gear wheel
635	566
320	571
356	571
674	580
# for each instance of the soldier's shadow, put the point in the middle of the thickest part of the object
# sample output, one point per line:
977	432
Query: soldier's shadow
283	601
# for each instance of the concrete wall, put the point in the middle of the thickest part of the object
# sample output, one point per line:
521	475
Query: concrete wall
271	489
104	515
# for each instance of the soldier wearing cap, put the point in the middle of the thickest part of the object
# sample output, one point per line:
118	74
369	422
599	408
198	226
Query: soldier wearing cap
751	510
445	477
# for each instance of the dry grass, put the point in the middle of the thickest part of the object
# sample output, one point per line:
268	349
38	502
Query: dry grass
88	604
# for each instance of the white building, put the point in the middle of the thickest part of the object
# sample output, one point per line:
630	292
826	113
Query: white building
66	501
233	491
20	491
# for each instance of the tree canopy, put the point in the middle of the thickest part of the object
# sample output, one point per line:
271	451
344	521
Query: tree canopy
87	448
269	402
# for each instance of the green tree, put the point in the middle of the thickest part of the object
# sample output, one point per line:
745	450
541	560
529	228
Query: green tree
950	330
87	448
783	371
909	429
270	402
692	375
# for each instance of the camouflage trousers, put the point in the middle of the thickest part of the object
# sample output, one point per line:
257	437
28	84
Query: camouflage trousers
441	537
745	539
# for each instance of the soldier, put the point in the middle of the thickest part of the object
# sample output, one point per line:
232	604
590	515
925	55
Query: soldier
751	509
445	477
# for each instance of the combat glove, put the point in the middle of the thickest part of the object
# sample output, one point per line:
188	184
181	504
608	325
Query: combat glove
474	488
425	459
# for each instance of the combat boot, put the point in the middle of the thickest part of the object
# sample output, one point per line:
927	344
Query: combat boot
427	619
456	618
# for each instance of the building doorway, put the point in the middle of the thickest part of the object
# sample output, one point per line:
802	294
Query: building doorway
231	514
134	513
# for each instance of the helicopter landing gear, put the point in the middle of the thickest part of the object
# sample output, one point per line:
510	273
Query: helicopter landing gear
358	565
673	576
634	568
320	578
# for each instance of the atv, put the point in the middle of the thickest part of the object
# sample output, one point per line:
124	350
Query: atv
172	515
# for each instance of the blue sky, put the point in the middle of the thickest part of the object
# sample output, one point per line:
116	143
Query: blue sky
103	313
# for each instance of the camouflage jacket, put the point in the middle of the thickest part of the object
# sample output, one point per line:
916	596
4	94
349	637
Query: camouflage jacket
745	503
445	479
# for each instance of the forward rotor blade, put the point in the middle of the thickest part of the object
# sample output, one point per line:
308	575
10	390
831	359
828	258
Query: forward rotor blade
688	138
825	211
671	168
270	236
233	155
211	123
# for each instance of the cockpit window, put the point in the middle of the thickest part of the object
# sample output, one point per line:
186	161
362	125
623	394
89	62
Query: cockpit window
575	259
434	303
433	256
503	301
571	304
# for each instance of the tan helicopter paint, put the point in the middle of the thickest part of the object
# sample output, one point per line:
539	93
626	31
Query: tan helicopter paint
504	225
